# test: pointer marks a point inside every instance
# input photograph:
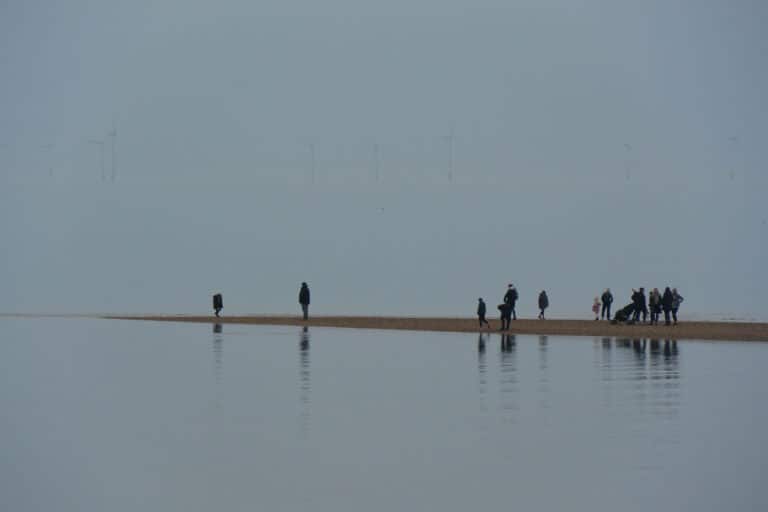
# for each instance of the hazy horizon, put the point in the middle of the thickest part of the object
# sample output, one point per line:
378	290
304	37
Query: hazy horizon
601	145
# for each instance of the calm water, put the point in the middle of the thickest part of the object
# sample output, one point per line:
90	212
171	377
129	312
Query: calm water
126	416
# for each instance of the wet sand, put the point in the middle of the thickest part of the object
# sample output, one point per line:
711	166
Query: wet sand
734	331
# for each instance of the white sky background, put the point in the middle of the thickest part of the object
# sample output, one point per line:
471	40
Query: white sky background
216	105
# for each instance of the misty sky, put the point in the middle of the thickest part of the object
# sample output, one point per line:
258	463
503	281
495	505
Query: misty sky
596	143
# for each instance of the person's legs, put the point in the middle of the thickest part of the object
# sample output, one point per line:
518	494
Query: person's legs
674	315
666	317
609	312
514	313
305	310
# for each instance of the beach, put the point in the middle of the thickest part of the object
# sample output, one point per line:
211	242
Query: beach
723	331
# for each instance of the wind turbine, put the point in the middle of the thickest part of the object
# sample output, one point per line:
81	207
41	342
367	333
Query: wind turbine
100	144
113	136
627	164
376	161
449	138
312	160
49	149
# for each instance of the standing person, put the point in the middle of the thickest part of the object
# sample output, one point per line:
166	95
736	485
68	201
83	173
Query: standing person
304	300
596	309
218	303
654	301
637	305
481	313
506	316
510	298
667	301
677	299
607	300
643	303
543	303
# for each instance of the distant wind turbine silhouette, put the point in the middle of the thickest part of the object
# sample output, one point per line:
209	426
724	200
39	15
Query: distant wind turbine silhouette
376	161
49	149
628	163
113	136
449	138
100	144
312	161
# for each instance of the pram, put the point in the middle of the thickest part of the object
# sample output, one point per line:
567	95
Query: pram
624	314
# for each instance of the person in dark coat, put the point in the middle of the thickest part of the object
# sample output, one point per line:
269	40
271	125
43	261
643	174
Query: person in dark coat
637	303
667	303
304	300
643	303
218	303
677	299
607	300
481	313
510	299
654	302
543	303
506	316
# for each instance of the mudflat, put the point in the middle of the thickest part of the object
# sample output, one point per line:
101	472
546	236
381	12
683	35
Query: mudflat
733	331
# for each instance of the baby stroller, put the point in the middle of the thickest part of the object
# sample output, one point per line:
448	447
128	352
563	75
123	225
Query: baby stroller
624	315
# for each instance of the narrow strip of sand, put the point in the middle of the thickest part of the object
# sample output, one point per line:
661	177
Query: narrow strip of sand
733	331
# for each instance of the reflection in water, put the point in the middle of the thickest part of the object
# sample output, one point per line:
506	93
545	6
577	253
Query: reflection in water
305	379
650	369
543	387
482	370
508	376
218	352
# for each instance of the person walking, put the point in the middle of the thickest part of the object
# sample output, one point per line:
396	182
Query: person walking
304	300
481	313
510	299
543	304
667	302
677	299
596	309
607	300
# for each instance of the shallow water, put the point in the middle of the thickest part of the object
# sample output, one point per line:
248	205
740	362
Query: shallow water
119	415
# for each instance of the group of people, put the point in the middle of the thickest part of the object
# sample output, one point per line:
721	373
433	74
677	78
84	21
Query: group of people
656	303
507	308
667	302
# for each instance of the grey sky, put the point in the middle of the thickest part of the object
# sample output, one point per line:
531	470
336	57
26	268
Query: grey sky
216	105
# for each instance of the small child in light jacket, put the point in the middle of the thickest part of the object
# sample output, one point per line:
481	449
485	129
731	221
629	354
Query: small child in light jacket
596	308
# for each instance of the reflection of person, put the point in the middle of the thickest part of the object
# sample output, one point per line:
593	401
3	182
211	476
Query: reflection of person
304	300
510	298
218	303
481	313
543	303
607	300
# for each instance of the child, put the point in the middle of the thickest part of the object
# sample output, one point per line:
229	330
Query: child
596	308
481	313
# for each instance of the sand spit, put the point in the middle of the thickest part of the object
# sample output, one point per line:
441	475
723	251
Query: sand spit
733	331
